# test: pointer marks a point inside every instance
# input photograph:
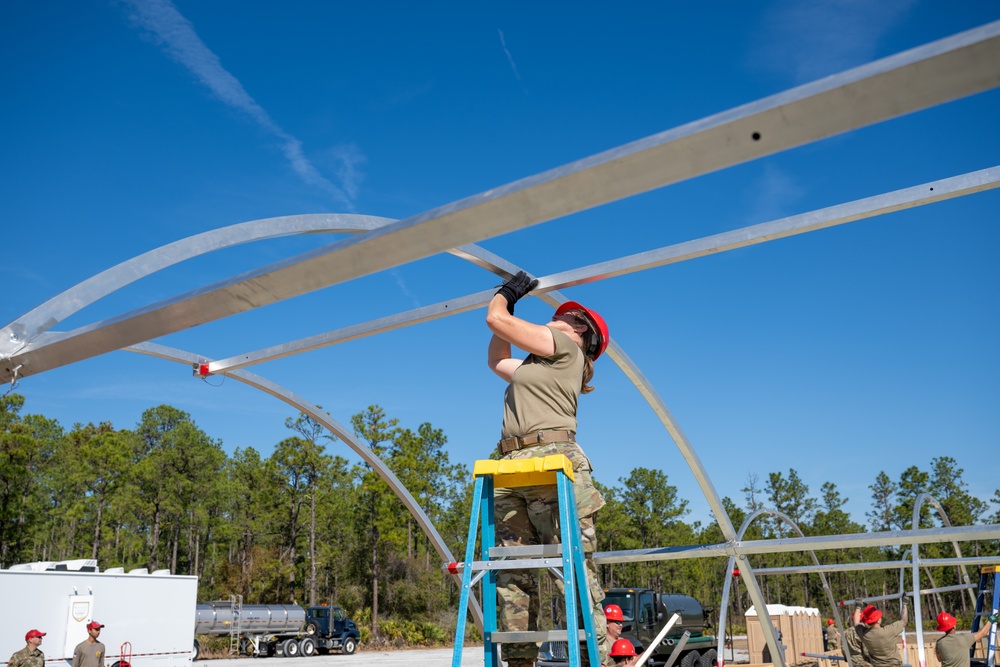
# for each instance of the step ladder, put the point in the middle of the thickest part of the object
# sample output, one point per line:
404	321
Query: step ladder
987	602
566	559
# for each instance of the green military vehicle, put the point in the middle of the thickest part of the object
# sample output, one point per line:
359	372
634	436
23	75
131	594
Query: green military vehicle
646	612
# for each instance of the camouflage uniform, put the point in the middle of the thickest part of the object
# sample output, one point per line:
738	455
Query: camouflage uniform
852	641
27	657
530	515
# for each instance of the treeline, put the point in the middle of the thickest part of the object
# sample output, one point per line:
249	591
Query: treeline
302	525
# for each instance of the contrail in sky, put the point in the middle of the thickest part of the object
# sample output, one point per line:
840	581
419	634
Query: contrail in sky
510	59
178	38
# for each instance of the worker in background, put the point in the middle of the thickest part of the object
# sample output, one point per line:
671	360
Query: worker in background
880	641
90	652
623	653
30	655
831	638
852	639
540	406
614	618
953	649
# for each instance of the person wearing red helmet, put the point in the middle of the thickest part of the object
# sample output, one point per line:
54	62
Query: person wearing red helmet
30	655
852	639
880	641
623	653
615	619
90	652
953	649
831	638
540	406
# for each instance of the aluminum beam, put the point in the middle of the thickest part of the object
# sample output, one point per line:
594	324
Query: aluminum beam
819	543
919	195
929	75
885	565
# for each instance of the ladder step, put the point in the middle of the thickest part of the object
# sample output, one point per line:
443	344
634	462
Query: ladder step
535	636
523	564
529	551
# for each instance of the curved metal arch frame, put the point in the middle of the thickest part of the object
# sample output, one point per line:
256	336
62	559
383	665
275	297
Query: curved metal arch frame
915	569
335	427
44	317
766	618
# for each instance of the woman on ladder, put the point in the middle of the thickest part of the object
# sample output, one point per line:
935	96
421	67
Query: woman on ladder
540	419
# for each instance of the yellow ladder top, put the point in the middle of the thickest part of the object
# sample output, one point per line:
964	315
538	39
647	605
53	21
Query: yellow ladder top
537	471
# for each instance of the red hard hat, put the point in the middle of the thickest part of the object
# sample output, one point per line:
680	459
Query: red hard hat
829	621
614	613
622	648
598	324
871	616
945	621
33	633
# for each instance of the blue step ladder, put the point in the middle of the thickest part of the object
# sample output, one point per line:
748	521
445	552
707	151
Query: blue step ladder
566	559
987	603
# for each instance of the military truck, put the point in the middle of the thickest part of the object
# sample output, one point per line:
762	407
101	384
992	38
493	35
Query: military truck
646	612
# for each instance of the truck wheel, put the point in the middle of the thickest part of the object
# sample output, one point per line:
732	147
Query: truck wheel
349	646
197	651
312	628
709	658
307	646
290	649
691	659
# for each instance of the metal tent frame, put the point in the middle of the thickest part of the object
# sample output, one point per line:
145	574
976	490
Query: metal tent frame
930	75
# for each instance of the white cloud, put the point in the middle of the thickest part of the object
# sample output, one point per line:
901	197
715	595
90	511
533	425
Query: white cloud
809	39
178	38
774	196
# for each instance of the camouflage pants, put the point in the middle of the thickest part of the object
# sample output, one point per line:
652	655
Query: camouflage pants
530	515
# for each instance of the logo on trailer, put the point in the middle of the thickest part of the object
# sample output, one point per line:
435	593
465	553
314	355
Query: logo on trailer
81	610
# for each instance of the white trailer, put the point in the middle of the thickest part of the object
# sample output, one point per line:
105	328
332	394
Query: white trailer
148	617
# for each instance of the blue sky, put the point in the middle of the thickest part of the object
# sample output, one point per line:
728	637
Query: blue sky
842	353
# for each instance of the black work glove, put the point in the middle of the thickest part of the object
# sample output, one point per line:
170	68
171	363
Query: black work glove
516	287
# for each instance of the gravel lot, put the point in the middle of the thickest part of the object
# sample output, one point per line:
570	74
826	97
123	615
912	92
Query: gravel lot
472	656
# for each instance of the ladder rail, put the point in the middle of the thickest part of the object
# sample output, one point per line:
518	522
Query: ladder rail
566	560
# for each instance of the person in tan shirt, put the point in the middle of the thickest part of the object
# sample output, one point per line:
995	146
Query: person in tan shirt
880	641
852	640
90	652
953	649
540	406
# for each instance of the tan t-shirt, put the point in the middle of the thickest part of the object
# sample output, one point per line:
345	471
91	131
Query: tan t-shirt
953	650
880	644
89	655
852	640
543	393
